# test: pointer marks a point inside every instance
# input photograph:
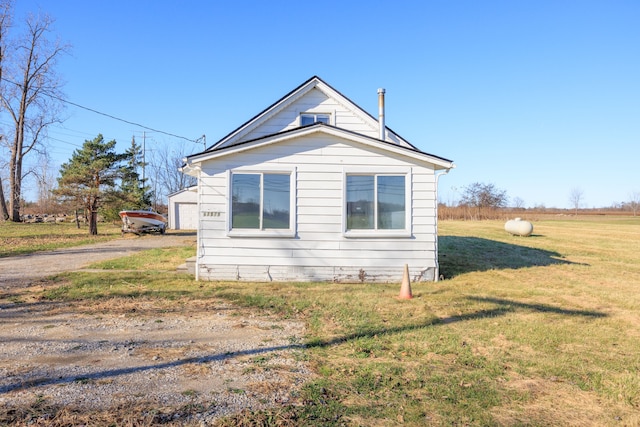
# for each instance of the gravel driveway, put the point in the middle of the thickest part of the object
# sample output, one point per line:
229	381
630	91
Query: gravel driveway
17	271
135	359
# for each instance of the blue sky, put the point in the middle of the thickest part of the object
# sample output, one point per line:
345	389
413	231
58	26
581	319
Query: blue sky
536	97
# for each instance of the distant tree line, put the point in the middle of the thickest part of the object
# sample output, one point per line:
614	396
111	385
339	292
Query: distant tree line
478	201
486	201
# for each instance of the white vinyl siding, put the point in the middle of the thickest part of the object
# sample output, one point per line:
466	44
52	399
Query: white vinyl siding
313	97
317	248
314	102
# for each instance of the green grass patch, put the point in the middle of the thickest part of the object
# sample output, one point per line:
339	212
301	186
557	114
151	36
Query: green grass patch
23	238
160	259
76	286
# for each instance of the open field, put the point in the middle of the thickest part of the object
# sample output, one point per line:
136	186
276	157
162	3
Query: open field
543	330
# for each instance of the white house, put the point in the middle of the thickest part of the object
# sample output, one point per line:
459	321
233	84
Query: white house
183	209
314	188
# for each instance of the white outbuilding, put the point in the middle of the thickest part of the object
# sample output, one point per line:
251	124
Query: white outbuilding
314	188
183	209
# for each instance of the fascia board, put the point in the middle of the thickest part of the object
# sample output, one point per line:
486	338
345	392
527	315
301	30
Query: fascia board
330	130
288	99
175	193
267	113
190	168
367	118
348	104
386	146
250	145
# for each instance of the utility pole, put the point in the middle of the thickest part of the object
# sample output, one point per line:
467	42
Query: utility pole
144	137
203	138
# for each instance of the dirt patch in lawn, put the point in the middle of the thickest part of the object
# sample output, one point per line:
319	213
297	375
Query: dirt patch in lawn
195	360
135	361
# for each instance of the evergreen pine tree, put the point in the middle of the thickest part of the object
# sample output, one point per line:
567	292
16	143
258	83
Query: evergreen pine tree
89	177
135	193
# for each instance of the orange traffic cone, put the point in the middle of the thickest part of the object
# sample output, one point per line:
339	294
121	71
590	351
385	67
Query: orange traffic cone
405	289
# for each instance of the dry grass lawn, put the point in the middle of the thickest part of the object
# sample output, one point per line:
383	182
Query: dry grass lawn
537	331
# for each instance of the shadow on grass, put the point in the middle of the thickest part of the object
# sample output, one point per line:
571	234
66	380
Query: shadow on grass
460	255
503	307
543	308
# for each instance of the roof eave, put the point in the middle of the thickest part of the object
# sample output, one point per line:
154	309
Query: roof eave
190	168
439	163
264	113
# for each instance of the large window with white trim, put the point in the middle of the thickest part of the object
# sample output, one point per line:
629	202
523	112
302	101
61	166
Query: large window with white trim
261	201
376	202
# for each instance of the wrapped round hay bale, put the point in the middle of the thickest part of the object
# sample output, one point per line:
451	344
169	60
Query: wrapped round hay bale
518	227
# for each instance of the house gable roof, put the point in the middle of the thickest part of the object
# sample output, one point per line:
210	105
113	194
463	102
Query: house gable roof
249	130
193	189
410	152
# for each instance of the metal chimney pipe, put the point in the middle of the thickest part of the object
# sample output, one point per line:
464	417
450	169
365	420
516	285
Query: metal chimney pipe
381	92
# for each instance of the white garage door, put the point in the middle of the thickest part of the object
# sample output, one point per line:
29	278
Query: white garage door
186	216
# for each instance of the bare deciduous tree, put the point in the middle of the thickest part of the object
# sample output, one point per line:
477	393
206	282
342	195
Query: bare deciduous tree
30	96
5	22
518	203
165	165
483	197
576	198
634	202
45	177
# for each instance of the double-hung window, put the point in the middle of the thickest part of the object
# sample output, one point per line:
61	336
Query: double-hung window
376	204
261	203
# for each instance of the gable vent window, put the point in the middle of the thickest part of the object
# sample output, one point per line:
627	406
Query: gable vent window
311	118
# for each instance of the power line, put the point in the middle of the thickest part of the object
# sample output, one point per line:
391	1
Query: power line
108	115
123	120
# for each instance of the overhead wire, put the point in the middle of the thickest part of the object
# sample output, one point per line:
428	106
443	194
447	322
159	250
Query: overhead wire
49	94
123	120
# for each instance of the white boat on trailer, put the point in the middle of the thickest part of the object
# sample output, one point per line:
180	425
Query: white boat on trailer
142	221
